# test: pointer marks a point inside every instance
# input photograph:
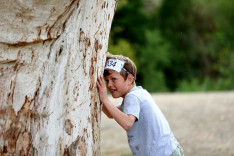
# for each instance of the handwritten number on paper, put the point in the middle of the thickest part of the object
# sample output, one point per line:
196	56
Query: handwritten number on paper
112	63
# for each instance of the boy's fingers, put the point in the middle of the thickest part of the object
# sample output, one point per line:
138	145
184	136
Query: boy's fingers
99	79
102	79
100	82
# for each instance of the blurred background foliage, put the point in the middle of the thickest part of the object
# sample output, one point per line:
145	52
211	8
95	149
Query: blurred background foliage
177	45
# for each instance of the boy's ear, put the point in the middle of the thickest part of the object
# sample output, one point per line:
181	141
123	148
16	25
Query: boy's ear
130	78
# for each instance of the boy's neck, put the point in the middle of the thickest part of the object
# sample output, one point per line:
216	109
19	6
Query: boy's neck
130	87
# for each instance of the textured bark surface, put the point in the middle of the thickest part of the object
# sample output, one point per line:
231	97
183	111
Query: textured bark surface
50	55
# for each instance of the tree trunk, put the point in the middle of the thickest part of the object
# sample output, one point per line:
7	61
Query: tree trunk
50	55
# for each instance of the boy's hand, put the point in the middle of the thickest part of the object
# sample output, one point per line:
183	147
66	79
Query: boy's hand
102	89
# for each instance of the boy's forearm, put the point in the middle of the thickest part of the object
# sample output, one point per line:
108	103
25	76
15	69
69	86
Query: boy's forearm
106	112
121	118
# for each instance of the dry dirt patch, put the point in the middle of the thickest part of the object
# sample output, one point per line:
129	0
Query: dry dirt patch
203	123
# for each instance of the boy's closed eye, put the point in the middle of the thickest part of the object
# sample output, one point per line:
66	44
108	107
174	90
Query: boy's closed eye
107	81
112	79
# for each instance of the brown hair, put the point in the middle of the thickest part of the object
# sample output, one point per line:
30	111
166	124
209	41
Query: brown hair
129	66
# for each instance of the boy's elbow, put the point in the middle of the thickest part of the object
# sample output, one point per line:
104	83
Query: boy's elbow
127	127
129	123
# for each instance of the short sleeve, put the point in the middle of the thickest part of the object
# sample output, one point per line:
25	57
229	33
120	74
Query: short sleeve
132	105
120	106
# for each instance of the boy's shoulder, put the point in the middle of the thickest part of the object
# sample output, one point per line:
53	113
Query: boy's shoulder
137	91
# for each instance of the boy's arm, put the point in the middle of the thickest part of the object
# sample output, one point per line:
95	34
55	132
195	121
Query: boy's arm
124	120
106	112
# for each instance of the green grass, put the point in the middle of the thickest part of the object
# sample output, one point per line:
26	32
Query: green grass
127	154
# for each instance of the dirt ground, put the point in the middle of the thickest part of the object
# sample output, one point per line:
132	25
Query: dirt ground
203	123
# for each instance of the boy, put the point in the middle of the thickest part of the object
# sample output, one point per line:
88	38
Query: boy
148	131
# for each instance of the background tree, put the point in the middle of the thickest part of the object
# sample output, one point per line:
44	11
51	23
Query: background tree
177	45
50	55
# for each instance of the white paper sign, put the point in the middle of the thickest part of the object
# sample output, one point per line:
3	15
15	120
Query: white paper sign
114	64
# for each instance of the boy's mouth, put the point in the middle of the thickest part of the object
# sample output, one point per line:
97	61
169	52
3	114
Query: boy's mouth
112	90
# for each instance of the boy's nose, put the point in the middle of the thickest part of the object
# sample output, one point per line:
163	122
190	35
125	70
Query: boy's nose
109	84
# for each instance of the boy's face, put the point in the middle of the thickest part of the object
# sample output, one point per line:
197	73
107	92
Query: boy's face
116	84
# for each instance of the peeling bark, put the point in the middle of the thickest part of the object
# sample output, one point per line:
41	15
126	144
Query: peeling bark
50	55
